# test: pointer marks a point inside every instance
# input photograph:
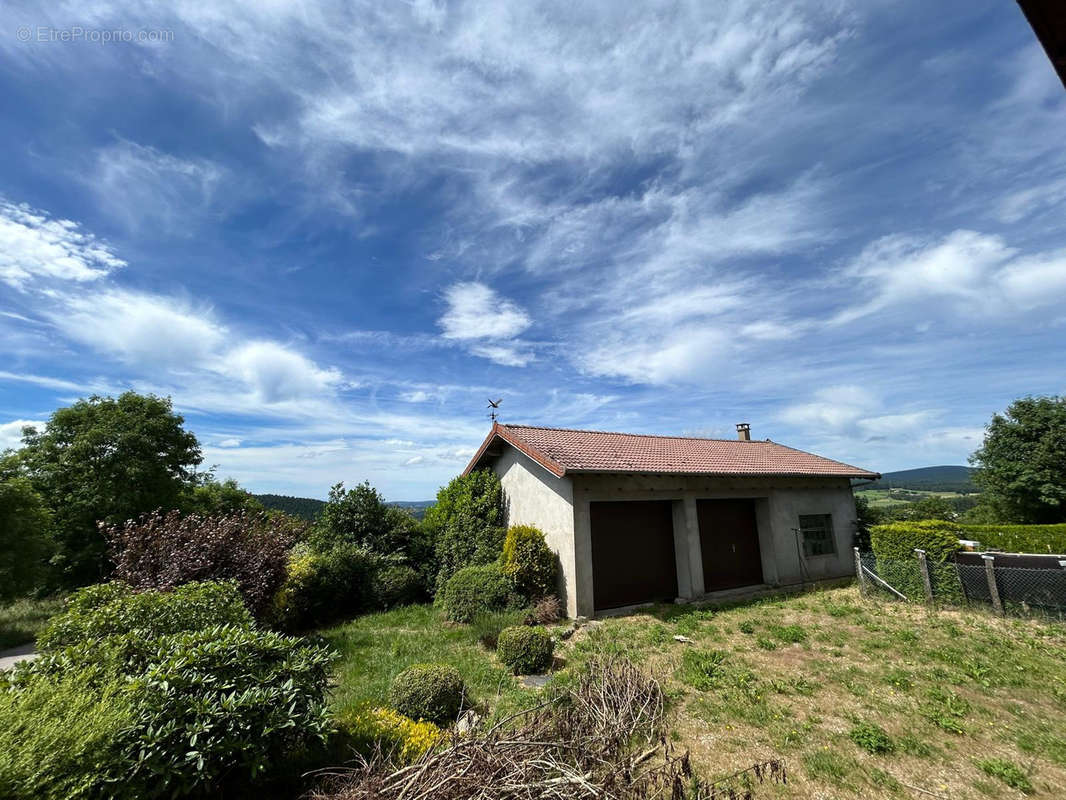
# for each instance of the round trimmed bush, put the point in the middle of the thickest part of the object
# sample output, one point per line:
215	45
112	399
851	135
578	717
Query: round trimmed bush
526	649
475	590
398	585
529	562
431	692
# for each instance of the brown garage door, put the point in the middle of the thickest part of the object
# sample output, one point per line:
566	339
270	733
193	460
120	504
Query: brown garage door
729	539
632	552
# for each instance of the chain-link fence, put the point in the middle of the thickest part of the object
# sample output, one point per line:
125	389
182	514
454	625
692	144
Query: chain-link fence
973	579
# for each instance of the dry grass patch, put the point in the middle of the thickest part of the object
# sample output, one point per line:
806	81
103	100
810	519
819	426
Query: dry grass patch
796	677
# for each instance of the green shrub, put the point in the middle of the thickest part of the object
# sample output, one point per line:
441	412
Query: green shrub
466	523
475	590
398	585
224	703
321	587
526	649
97	612
1008	773
1018	538
432	692
872	738
894	545
62	739
528	561
369	730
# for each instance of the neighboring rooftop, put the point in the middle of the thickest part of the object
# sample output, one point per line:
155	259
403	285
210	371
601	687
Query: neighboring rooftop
561	450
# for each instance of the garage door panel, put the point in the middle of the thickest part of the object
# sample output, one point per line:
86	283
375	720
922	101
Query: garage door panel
729	544
632	552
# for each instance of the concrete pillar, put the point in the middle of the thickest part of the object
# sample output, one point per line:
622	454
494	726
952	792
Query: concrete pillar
687	549
927	581
993	587
582	601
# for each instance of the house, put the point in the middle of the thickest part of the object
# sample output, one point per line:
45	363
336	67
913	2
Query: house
637	518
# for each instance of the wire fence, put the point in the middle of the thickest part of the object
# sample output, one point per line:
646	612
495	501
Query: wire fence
972	579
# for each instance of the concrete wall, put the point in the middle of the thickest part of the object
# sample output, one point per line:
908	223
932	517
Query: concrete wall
534	496
778	504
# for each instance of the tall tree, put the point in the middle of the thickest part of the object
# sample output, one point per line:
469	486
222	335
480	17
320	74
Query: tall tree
25	538
1021	467
105	460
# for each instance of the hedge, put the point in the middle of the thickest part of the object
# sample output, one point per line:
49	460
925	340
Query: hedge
526	650
1017	538
529	562
476	590
429	692
894	545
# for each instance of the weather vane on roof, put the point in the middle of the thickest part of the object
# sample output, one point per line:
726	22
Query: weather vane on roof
494	405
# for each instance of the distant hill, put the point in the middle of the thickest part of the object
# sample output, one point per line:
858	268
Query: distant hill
302	507
927	479
308	508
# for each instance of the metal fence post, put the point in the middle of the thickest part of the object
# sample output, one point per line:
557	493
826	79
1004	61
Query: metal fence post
858	571
923	565
993	588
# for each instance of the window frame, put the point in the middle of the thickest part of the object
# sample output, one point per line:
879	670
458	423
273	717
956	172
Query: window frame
825	525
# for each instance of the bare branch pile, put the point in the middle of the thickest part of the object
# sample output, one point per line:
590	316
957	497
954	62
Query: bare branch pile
601	738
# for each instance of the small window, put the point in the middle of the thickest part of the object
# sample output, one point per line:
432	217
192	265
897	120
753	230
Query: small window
817	530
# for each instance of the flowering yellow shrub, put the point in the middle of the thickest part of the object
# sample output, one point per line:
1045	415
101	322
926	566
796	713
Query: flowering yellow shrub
399	737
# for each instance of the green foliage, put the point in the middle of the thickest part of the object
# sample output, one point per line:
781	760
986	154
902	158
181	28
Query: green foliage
466	523
1021	466
432	692
305	508
865	518
321	587
487	625
224	702
528	561
97	612
928	508
360	517
701	669
161	551
105	460
526	649
894	545
872	738
1007	772
475	590
400	739
212	498
398	585
25	538
62	739
1018	538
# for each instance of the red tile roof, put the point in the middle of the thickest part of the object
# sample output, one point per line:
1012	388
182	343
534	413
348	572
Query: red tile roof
560	451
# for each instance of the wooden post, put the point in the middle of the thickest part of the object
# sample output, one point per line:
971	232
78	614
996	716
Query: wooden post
858	571
923	565
993	589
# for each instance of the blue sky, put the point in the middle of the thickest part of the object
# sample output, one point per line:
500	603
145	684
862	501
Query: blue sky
330	231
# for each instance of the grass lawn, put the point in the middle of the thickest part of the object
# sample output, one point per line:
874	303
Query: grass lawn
22	620
858	697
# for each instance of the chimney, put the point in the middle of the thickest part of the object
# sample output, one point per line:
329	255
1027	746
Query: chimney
744	431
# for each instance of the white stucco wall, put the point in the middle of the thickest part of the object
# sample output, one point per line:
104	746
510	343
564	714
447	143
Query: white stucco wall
534	496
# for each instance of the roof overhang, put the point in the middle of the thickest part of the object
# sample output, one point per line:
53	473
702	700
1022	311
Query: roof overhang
1048	21
501	434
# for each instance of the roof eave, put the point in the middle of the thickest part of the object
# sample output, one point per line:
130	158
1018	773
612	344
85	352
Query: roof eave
500	432
699	473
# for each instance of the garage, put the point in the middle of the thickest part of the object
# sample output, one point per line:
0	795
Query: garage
729	542
632	552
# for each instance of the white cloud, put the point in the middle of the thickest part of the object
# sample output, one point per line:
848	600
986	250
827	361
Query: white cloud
977	273
143	186
36	250
477	312
277	374
11	432
487	322
232	442
144	329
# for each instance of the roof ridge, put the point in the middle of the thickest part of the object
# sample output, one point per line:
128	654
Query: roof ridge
644	435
